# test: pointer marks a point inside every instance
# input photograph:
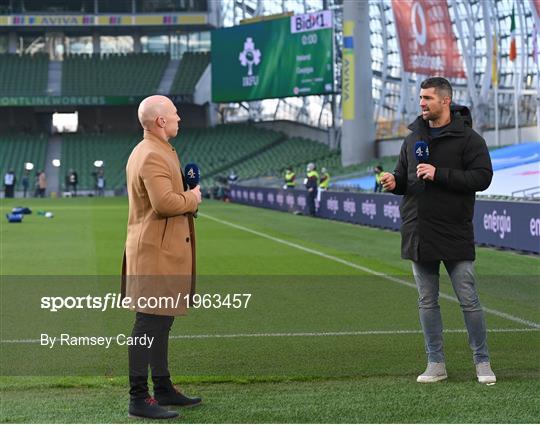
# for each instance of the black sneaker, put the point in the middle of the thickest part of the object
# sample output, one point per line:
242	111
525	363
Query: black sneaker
149	409
173	397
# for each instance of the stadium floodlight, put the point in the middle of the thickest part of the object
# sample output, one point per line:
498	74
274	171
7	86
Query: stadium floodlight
28	166
98	163
56	162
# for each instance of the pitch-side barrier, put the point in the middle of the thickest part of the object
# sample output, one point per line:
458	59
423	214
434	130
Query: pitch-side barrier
505	224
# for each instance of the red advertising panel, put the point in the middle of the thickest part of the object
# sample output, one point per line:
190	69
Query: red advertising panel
426	39
536	7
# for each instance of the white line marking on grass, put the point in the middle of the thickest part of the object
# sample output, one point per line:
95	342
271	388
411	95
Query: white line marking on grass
365	269
344	333
300	334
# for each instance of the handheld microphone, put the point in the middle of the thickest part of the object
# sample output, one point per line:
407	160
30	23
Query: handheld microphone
192	175
421	152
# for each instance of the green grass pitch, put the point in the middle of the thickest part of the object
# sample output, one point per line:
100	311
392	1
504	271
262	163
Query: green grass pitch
330	334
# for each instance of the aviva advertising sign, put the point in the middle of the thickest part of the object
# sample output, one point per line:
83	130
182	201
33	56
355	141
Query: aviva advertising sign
347	71
103	20
293	56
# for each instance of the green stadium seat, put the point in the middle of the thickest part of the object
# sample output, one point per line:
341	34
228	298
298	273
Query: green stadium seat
189	72
80	151
24	75
134	74
295	152
211	148
16	150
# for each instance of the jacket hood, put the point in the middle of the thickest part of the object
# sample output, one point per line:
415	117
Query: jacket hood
463	111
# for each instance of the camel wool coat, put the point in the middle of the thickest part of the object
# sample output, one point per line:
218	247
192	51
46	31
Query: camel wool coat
158	270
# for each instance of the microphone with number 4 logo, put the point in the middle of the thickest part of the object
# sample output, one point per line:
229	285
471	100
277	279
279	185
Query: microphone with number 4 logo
421	152
193	176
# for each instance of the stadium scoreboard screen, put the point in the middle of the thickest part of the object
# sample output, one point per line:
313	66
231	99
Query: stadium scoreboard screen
291	56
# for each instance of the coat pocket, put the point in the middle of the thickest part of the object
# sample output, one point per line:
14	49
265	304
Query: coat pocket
168	233
164	232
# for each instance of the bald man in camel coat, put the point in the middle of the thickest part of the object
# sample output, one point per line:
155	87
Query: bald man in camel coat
159	259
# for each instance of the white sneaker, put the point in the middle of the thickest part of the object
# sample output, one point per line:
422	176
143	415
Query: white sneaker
434	372
485	374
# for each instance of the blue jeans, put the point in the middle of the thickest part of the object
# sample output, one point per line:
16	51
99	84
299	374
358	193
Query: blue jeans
426	275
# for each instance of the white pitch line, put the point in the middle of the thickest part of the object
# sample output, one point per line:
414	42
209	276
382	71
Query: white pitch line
492	311
301	334
344	333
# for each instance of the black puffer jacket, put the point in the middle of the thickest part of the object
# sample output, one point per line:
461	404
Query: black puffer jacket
437	216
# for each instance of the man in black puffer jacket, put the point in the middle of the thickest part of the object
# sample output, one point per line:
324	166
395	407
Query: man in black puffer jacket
437	211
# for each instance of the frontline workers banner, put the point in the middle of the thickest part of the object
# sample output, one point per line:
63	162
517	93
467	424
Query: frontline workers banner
504	224
69	100
426	39
291	56
79	100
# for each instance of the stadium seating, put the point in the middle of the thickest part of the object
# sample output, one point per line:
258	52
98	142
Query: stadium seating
80	151
250	151
219	149
296	152
333	164
189	71
17	149
24	75
213	149
135	74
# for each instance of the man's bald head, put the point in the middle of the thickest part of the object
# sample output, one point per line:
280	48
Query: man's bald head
158	114
152	108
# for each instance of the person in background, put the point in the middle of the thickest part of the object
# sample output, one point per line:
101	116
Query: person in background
36	185
25	183
232	178
100	183
290	178
9	184
312	183
73	181
378	174
324	181
41	184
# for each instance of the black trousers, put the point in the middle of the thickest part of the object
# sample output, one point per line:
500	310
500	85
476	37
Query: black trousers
311	201
140	356
9	190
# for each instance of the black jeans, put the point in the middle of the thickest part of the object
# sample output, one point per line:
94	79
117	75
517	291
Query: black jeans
140	356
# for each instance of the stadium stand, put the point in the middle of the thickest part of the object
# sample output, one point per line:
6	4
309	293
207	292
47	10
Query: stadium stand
189	71
133	74
295	152
80	151
250	151
298	152
213	149
333	163
223	147
23	75
16	150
